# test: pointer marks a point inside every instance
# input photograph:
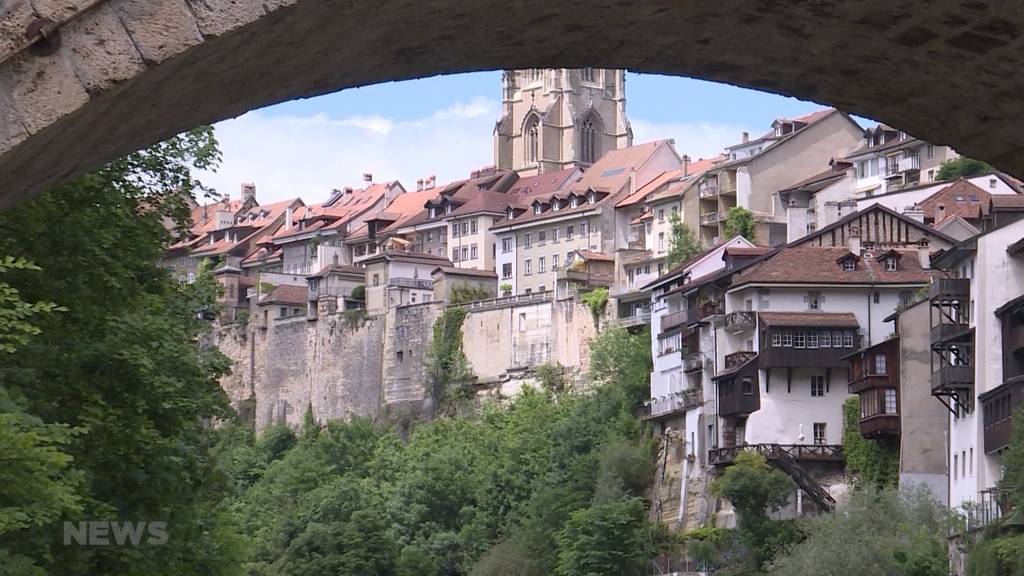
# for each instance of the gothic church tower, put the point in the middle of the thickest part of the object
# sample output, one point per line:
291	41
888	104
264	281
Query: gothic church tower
558	118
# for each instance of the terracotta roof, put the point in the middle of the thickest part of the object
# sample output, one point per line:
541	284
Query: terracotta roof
595	256
641	193
1007	202
627	257
694	171
960	198
262	254
542	184
339	269
453	271
405	207
854	215
287	294
818	265
819	181
746	251
826	319
412	257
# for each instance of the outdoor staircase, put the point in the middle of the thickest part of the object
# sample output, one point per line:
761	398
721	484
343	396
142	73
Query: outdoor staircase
809	485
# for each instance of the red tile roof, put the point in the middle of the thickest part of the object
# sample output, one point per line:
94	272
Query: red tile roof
827	319
287	294
595	256
1007	202
818	265
960	198
453	271
543	184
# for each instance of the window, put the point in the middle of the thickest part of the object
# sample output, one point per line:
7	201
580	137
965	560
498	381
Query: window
472	226
506	270
847	339
787	338
819	433
776	338
587	74
661	268
472	251
537	208
956	467
455	229
432	212
532	140
584	228
812	339
554	234
661	241
455	254
574	202
661	215
465	252
799	339
448	208
876	297
541	264
849	265
747	385
817	385
465	228
825	339
527	267
510	214
569	232
890	264
542	236
970	467
591	197
554	261
890	401
528	240
569	257
376	279
283	312
506	244
191	277
837	338
879	364
814	300
931	151
588	143
931	175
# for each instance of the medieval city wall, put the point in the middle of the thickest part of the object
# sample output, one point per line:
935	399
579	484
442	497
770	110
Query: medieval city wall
377	366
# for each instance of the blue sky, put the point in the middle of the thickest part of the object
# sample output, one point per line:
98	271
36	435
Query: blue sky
442	126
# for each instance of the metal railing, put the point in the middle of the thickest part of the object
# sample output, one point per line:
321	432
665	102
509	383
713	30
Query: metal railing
707	218
504	301
634	320
740	321
415	283
817	452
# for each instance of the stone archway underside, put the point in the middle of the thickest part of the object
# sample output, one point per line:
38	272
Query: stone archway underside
128	73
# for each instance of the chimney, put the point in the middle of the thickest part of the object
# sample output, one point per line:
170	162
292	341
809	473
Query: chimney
923	254
288	218
940	214
686	165
855	241
348	190
746	137
248	191
914	212
432	181
419	184
367	177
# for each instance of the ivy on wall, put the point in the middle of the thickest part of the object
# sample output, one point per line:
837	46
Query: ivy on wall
874	462
449	370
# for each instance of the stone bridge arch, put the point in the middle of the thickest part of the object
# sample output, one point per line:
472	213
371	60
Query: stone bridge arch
109	76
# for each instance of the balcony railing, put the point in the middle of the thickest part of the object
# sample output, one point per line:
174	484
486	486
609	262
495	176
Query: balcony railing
709	218
740	321
708	189
711	309
737	359
998	406
673	403
880	425
950	289
692	362
414	283
633	320
798	452
896	166
673	319
949	377
332	291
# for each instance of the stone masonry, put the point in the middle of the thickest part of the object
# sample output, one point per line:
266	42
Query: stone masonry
114	75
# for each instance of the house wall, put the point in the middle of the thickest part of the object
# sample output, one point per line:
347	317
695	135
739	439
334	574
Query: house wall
533	281
483	239
924	420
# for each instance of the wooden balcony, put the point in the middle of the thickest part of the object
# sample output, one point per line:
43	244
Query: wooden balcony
950	289
998	406
738	404
789	357
711	309
740	321
798	452
947	331
738	389
880	425
949	377
738	359
692	362
672	404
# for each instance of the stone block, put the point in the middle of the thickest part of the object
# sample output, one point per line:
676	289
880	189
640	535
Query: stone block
101	51
12	131
42	89
58	10
14	20
160	29
217	17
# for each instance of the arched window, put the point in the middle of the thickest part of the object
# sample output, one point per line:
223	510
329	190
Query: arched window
532	140
589	141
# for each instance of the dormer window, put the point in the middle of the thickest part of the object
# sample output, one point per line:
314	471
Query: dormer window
432	212
849	265
510	214
447	208
574	202
890	264
556	205
537	209
591	197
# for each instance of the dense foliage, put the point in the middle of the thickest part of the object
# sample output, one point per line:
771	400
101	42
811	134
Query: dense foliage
549	484
465	293
682	244
103	406
596	300
902	533
450	373
741	222
873	462
962	167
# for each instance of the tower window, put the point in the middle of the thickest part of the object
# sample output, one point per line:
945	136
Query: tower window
532	141
588	141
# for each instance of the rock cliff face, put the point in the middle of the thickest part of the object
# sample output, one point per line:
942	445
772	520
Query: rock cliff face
345	365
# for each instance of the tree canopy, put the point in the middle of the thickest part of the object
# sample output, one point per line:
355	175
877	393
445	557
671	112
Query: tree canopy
962	167
682	244
741	222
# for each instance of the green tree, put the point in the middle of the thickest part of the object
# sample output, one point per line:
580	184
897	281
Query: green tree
596	300
125	364
890	531
962	167
682	243
873	462
754	488
610	539
740	222
624	359
551	377
450	373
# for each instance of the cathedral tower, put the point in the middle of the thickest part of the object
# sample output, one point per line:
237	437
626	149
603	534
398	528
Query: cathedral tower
557	118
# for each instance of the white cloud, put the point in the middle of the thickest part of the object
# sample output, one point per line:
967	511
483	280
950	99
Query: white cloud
697	139
289	156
